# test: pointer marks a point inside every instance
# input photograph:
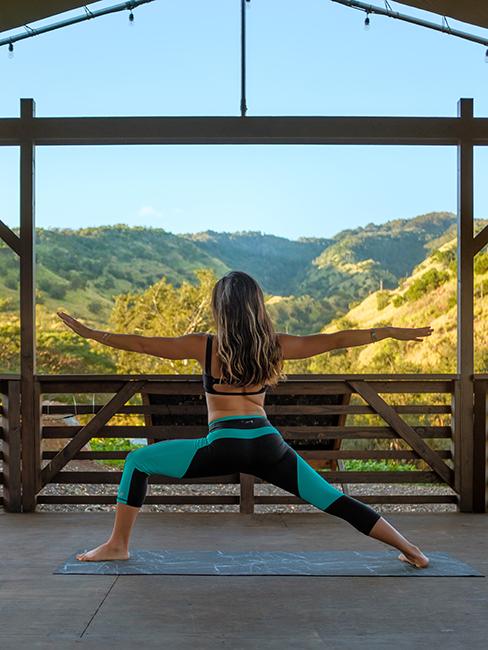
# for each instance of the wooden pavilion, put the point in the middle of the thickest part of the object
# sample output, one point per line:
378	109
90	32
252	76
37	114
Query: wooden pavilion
306	403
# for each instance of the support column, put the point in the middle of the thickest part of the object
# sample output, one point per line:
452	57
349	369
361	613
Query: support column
480	499
29	408
465	321
12	501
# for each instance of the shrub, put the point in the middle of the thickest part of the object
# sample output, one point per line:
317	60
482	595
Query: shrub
429	280
382	299
398	300
113	444
94	306
11	282
372	465
481	263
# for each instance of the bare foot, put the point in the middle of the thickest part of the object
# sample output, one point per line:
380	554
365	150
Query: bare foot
415	557
105	551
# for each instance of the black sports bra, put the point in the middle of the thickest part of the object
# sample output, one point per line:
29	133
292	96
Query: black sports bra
209	381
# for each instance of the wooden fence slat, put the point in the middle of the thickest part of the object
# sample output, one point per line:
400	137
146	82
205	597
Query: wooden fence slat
315	432
480	446
191	385
12	495
280	409
392	454
404	430
180	499
109	499
100	477
246	502
89	430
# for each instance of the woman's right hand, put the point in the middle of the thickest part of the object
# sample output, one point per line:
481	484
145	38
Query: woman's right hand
75	325
410	333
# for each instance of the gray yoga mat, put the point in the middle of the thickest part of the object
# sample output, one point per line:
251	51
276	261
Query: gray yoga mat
276	563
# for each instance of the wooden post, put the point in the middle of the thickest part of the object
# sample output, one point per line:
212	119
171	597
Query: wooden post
12	500
465	348
246	502
456	434
30	423
480	500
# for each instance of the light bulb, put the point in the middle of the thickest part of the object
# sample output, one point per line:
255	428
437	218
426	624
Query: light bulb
367	22
131	18
10	50
486	56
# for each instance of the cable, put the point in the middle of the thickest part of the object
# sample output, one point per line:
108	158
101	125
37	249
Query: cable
444	27
87	15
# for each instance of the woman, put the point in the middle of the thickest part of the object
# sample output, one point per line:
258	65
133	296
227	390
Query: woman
249	355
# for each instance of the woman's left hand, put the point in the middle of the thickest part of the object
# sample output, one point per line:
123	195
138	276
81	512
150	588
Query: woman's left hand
411	333
75	325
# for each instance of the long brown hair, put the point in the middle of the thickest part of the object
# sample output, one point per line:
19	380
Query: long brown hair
248	347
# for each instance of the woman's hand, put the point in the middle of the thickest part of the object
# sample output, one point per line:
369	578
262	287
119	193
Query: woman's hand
410	333
75	325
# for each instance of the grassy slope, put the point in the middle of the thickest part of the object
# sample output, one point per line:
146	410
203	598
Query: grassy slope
437	308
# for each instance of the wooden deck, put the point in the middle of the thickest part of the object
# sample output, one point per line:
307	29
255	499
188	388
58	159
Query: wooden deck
62	612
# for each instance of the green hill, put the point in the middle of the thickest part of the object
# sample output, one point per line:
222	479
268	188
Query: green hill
151	281
426	298
311	280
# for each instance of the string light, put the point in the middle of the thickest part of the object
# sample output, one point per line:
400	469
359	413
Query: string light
10	50
87	14
486	56
387	11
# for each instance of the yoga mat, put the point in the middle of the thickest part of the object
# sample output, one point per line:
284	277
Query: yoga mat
276	563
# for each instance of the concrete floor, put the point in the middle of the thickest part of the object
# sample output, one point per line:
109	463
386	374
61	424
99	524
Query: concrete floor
62	612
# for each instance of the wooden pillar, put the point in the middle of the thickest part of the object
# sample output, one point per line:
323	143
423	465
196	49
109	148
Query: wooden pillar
246	502
12	501
480	498
465	281
29	412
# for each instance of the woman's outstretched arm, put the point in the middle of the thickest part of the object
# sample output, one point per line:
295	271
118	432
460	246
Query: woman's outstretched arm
188	346
300	347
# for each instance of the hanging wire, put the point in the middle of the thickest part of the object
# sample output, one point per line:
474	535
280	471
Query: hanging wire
86	15
444	22
387	11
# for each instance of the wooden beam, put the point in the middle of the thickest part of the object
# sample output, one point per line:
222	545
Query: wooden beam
89	430
253	130
404	431
480	494
465	306
12	498
9	237
246	497
480	240
30	413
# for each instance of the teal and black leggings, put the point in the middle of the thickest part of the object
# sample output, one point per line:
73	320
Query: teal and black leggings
236	443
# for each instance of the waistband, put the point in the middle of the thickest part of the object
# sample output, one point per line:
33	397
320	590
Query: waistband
255	421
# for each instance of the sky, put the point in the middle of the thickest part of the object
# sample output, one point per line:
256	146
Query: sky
182	58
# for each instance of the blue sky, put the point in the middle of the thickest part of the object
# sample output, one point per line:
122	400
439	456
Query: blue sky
182	58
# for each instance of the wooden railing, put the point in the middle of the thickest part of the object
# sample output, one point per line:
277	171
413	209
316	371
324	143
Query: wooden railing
310	412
